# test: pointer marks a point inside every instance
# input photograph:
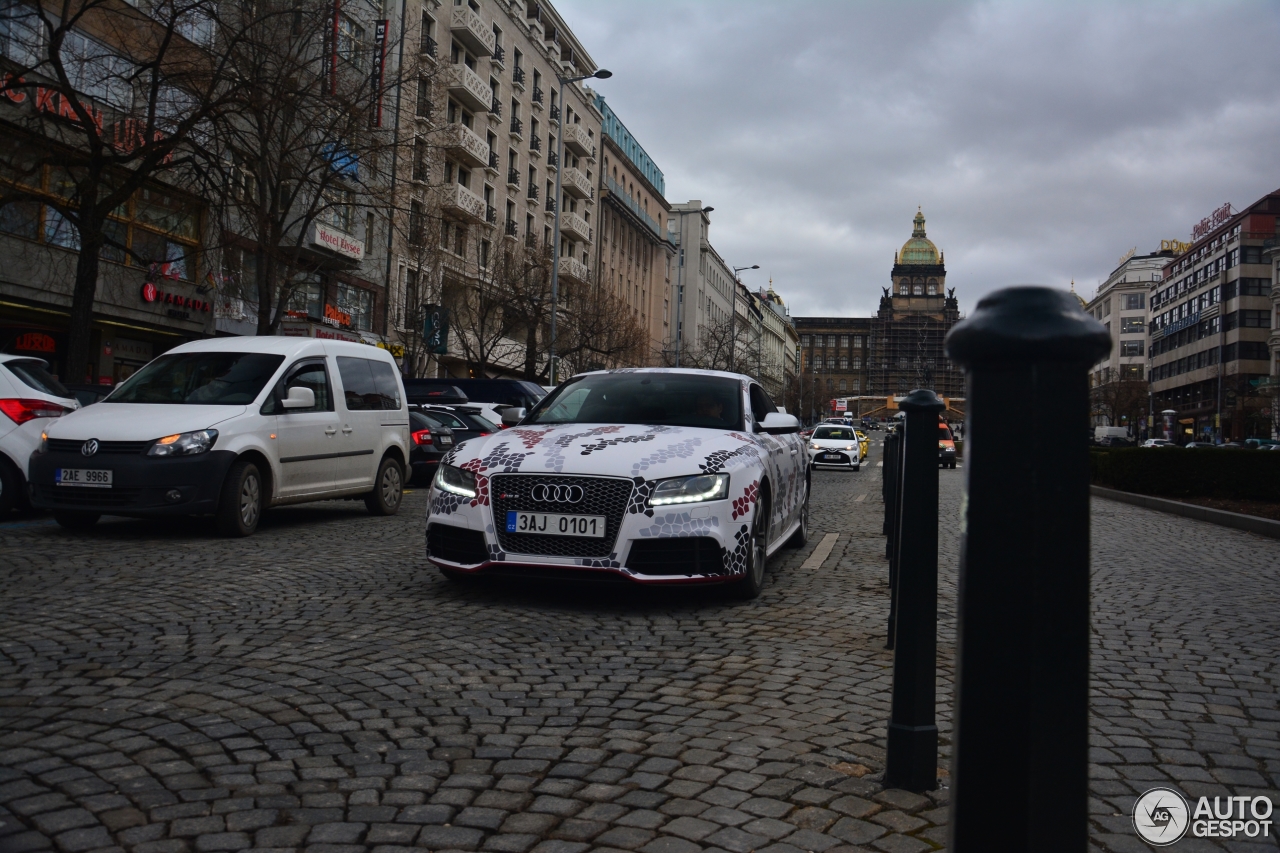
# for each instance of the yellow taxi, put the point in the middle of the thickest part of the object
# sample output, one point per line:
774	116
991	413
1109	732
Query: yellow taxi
864	443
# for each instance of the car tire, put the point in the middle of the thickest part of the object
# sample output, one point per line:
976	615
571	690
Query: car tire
753	581
388	489
11	487
240	505
801	537
73	520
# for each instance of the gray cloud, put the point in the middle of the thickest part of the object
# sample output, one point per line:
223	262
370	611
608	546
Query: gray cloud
1043	141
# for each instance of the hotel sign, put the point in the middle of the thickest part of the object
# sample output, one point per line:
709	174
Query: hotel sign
1210	222
336	241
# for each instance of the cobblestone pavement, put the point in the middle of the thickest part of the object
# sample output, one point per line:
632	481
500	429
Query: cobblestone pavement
319	687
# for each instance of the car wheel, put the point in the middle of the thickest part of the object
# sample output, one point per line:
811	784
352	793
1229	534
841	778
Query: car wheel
801	536
240	506
10	487
751	584
388	489
76	520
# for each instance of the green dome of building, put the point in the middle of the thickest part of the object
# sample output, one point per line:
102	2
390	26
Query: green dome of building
919	249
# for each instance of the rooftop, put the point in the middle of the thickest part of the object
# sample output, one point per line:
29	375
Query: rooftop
613	128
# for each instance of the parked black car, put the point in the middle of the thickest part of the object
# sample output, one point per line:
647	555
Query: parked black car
431	441
503	392
422	392
461	423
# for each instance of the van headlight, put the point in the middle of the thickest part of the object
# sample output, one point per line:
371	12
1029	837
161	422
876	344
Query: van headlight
184	443
456	481
688	490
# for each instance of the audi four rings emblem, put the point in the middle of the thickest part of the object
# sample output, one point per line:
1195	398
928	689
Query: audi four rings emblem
557	494
90	447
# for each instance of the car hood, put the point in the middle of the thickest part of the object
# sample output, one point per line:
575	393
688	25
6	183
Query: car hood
618	450
138	421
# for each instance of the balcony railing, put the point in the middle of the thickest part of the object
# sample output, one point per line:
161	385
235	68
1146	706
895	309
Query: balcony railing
491	214
428	46
517	75
530	241
575	226
517	126
553	158
465	144
574	269
535	144
496	109
467	88
533	192
577	140
513	177
618	194
499	54
468	27
554	112
537	95
551	205
575	183
511	229
493	159
458	199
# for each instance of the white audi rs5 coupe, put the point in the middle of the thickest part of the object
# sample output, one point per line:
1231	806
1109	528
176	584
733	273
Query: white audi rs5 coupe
652	475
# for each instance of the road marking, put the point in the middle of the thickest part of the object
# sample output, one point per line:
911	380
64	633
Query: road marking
821	553
879	464
859	499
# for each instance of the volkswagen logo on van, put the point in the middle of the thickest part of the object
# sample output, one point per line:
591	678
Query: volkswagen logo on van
89	448
557	494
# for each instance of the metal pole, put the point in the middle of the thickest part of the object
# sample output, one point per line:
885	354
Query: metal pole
1022	674
911	760
555	237
733	327
680	293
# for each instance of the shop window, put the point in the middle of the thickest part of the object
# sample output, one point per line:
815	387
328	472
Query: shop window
358	303
307	298
21	219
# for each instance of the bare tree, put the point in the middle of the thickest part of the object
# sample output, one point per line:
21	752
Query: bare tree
1121	401
714	346
600	330
111	97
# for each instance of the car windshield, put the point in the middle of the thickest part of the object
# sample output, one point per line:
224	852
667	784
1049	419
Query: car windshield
835	433
200	379
32	373
669	399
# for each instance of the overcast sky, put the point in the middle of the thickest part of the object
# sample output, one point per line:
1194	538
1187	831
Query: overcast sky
1042	140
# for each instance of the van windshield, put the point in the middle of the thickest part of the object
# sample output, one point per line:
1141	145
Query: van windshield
670	399
200	379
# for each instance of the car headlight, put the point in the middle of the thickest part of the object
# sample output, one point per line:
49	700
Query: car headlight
456	481
814	446
688	490
848	447
184	443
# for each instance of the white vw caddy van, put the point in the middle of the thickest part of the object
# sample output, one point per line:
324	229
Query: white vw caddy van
228	427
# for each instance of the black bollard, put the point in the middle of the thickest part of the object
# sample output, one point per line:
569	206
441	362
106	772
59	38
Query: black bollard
912	759
892	519
1020	747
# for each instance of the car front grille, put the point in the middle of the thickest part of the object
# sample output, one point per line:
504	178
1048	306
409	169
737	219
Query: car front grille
456	544
682	555
843	460
605	496
78	496
73	445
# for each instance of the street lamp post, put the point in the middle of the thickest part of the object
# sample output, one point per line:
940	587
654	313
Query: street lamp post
680	282
733	318
600	74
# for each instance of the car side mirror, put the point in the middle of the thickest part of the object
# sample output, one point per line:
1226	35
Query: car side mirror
513	415
777	423
299	397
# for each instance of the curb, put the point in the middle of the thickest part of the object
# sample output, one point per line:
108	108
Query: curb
1250	523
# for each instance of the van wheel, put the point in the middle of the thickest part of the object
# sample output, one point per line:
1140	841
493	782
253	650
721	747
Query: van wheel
76	520
240	505
388	489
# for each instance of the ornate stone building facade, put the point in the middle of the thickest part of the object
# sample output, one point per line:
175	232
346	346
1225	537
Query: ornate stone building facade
890	354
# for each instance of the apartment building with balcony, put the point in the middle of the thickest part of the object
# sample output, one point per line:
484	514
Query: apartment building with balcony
1118	381
704	290
480	128
634	254
1211	316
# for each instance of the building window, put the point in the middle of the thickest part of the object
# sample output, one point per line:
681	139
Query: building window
1255	318
1133	326
417	223
857	341
844	363
843	386
804	340
350	41
831	340
917	290
844	341
307	298
358	303
831	362
1132	301
1130	372
857	364
855	385
1130	348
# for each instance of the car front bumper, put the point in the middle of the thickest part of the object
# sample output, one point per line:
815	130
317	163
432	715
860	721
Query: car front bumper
846	460
141	486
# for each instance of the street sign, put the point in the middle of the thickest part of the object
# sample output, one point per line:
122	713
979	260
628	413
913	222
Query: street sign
435	329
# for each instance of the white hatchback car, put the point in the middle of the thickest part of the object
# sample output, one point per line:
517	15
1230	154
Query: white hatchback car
652	475
29	398
836	446
228	427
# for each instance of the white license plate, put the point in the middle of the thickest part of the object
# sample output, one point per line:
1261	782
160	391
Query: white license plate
834	457
555	524
95	478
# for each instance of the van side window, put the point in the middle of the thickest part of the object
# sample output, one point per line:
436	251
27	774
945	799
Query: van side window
368	384
307	374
